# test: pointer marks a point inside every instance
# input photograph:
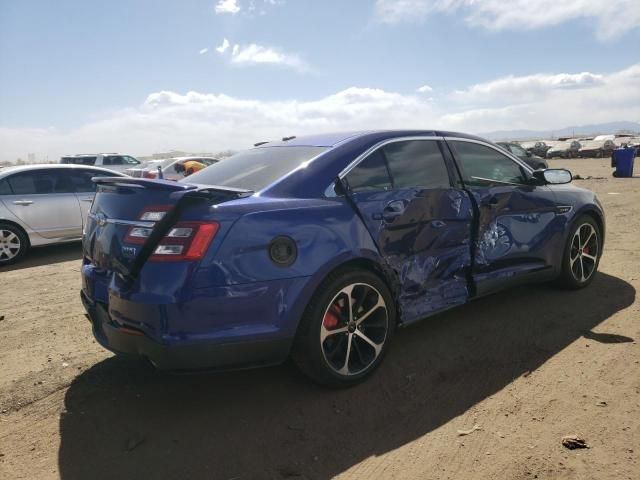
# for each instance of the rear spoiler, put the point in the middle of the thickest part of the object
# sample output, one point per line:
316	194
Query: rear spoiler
186	194
203	191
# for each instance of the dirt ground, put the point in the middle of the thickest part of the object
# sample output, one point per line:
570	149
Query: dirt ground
526	366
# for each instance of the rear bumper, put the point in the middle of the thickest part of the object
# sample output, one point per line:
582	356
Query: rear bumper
207	355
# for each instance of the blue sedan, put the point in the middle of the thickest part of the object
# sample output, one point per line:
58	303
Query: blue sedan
317	248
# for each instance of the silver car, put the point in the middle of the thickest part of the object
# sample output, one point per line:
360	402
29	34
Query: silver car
43	205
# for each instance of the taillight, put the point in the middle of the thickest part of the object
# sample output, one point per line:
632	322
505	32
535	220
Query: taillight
185	240
149	174
151	214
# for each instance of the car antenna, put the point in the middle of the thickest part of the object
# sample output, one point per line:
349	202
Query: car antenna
286	139
160	174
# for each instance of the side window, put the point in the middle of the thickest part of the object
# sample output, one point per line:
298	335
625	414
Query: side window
82	181
5	189
130	160
62	182
416	163
115	160
23	184
32	183
483	166
370	174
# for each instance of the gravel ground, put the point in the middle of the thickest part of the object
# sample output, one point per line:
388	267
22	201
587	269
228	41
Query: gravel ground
525	368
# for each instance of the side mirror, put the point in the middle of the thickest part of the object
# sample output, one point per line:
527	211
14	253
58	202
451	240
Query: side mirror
528	153
553	176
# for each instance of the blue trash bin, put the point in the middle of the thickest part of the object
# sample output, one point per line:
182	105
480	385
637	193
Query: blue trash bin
623	159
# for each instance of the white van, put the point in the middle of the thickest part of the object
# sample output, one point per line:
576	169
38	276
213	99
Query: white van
110	161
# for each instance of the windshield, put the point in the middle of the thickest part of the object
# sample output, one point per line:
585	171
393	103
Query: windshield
256	168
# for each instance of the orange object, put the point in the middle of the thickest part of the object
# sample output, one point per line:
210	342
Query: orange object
192	166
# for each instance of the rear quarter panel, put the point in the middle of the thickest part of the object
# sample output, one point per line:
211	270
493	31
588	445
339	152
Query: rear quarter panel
323	230
327	234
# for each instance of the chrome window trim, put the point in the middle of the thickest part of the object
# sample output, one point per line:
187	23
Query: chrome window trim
381	144
498	149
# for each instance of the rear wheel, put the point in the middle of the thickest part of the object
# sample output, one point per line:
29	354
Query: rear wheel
346	329
13	244
582	254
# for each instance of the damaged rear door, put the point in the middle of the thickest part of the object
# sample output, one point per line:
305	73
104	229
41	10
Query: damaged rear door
404	193
517	219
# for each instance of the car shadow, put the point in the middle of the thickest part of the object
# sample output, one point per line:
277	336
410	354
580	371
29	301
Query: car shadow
48	255
124	420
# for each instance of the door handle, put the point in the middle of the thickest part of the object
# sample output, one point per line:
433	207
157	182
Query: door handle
438	224
87	199
23	202
393	210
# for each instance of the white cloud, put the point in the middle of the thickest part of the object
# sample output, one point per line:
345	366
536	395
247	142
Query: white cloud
196	121
526	88
425	89
227	6
516	104
254	54
611	18
203	51
261	7
223	48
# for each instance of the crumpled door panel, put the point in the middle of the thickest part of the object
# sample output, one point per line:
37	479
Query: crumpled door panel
427	247
515	226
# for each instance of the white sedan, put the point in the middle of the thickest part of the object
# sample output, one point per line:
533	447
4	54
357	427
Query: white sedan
43	205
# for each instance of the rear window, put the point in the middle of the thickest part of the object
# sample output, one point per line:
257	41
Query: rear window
256	168
78	160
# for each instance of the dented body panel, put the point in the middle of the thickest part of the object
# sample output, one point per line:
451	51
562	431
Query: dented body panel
426	245
517	234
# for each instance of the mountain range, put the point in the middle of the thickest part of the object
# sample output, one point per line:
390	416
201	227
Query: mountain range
579	131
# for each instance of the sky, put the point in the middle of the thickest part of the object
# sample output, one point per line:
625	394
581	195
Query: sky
144	76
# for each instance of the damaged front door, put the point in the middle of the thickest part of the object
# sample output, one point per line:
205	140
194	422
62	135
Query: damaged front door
420	223
516	218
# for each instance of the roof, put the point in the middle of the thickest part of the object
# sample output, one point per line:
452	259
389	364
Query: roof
320	140
58	166
77	155
335	138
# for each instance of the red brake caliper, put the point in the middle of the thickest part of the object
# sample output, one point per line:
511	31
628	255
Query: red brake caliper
332	317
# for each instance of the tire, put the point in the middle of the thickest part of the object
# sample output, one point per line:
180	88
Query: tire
579	264
13	244
357	346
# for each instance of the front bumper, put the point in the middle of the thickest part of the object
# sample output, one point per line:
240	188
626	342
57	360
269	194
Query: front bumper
123	339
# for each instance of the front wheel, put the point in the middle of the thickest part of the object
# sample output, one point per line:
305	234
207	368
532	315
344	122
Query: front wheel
582	254
346	329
